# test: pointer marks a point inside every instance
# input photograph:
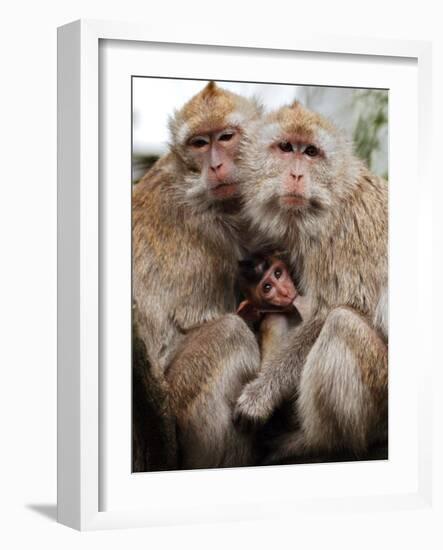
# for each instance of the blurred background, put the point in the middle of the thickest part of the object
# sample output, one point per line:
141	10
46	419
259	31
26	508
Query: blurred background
361	113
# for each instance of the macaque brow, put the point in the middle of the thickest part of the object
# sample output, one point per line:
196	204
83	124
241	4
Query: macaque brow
302	144
213	131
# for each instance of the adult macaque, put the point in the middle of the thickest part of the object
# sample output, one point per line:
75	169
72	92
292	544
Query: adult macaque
271	298
186	248
305	190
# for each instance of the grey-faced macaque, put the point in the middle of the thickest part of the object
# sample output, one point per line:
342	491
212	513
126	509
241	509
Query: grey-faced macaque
271	300
186	248
305	190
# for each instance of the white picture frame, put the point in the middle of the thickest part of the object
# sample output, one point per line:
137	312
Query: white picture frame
81	470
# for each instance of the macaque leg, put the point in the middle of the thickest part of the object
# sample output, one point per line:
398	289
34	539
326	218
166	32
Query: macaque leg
206	378
153	427
342	402
279	376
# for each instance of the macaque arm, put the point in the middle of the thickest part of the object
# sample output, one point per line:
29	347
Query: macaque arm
279	376
205	379
273	333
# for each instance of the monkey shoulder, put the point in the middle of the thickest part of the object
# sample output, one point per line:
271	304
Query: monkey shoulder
155	190
163	168
169	237
374	188
348	266
359	229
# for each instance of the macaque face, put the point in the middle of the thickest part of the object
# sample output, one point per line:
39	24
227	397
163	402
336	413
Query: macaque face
214	154
300	158
276	287
207	137
297	166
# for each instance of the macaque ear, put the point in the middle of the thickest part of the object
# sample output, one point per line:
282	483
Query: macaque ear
247	311
209	89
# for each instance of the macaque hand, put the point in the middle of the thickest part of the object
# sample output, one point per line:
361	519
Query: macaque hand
303	306
248	311
253	407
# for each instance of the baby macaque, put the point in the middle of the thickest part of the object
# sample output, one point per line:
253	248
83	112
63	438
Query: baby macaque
271	299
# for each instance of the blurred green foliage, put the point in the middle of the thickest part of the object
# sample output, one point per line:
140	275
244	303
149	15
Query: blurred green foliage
371	124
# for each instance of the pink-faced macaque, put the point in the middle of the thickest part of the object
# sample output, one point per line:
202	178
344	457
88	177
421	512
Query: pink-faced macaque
186	246
271	299
306	192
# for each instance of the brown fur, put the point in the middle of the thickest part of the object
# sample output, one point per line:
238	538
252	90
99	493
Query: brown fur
301	126
203	394
153	424
186	248
208	111
338	248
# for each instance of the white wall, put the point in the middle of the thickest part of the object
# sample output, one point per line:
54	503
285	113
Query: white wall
28	277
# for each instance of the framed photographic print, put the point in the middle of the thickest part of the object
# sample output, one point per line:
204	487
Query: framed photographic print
236	220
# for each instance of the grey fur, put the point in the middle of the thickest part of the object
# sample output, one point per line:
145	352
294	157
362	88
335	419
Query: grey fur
335	362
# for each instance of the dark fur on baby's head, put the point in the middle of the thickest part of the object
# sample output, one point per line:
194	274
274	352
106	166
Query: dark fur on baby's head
252	269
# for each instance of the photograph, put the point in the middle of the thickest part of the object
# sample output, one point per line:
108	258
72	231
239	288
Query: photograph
260	292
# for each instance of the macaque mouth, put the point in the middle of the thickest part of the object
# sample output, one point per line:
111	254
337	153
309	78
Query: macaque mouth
224	184
290	299
224	189
292	199
286	305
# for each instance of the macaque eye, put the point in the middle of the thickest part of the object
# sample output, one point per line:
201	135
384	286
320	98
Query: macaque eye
267	288
277	273
286	147
226	137
198	142
311	151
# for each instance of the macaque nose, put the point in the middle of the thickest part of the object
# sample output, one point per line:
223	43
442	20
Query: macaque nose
297	176
216	167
